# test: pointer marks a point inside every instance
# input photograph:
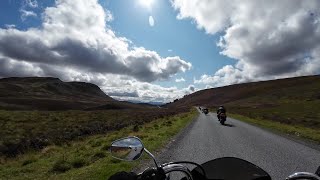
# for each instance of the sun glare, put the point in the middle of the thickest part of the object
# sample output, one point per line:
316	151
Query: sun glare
146	3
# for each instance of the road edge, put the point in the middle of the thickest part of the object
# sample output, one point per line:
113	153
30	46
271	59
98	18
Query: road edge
304	141
149	162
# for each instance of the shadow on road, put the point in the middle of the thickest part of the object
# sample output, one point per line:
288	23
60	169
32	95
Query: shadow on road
229	125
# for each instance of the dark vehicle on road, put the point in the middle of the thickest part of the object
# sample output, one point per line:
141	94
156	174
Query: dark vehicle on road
205	110
226	168
222	114
222	118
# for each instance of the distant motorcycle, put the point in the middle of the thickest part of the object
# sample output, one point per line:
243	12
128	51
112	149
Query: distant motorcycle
226	168
222	118
205	111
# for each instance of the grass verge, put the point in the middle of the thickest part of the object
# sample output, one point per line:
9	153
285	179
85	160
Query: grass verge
295	130
90	158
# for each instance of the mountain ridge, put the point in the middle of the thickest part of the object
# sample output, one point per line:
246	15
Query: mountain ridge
50	93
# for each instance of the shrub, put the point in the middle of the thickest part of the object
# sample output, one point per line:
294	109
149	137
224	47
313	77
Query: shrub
28	161
78	163
114	160
97	156
61	166
136	128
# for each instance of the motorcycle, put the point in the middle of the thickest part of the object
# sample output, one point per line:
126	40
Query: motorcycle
222	118
226	168
205	111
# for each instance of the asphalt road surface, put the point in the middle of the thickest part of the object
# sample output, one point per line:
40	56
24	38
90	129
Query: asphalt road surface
206	139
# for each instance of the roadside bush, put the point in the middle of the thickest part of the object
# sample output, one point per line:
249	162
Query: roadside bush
168	123
95	143
78	162
106	147
136	128
61	166
115	161
28	161
97	156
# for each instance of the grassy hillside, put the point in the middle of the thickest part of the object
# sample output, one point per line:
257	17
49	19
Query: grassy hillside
292	101
47	93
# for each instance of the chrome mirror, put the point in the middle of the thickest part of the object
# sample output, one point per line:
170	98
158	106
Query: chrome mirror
129	148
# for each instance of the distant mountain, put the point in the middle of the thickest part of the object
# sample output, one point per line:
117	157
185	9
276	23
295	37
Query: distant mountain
147	103
47	93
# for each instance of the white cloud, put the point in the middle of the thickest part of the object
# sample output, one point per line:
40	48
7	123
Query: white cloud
75	43
76	36
28	13
270	39
151	21
31	3
25	14
8	26
208	87
169	50
180	79
109	17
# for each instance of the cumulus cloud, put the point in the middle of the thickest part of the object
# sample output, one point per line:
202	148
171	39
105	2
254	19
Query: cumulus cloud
75	43
151	21
180	79
77	36
269	39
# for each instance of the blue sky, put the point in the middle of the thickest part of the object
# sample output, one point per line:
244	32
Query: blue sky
139	50
168	37
168	33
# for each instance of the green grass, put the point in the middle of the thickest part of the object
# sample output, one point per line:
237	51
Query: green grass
288	111
89	158
22	131
296	130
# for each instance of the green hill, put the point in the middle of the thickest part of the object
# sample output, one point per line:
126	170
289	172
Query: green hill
48	93
291	101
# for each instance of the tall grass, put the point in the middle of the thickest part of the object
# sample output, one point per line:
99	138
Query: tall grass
89	157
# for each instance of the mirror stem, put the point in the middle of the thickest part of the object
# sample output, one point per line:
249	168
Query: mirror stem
149	153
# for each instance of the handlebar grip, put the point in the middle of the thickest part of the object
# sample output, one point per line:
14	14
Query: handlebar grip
153	174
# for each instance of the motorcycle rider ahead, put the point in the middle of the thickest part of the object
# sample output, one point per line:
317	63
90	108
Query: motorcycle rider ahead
220	110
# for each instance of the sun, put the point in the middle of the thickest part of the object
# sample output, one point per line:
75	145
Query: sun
146	3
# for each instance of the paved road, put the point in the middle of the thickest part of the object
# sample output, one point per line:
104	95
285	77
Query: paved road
206	139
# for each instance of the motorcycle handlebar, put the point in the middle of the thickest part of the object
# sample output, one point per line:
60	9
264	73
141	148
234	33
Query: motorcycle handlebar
161	172
178	167
303	175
